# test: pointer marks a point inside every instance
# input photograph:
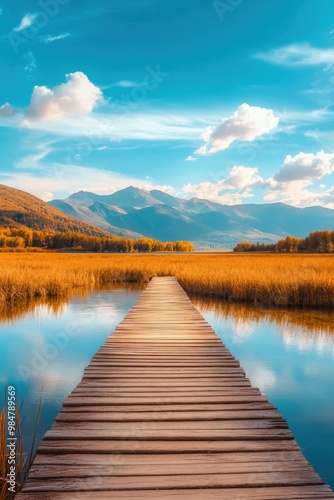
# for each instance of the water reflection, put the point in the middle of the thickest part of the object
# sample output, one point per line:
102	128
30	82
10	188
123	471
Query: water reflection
302	330
54	306
47	344
289	356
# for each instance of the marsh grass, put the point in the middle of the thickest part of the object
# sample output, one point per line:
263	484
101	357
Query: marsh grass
23	459
273	280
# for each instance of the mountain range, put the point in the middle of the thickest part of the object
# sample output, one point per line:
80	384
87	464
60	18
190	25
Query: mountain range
135	212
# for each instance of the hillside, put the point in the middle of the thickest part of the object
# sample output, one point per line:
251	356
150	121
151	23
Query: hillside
207	224
18	208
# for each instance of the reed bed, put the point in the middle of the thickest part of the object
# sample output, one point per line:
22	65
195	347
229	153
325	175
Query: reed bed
292	280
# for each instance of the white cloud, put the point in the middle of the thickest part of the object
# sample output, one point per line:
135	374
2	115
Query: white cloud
6	110
78	96
301	117
293	184
47	196
260	375
50	39
191	158
238	185
246	124
327	198
299	54
110	127
26	21
31	161
299	194
305	166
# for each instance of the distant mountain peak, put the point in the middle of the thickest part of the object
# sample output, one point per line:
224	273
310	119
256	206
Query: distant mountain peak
206	223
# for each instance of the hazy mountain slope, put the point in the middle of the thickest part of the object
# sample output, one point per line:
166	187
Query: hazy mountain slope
95	214
21	208
161	222
129	196
208	224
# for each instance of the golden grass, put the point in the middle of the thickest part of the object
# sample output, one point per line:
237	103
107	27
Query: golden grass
274	280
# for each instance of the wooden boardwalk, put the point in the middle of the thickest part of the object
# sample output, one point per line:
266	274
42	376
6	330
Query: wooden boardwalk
164	411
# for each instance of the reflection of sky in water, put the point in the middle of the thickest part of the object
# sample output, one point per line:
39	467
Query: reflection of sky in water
52	350
293	365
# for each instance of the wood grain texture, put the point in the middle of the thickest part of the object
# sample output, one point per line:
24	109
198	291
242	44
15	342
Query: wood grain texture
164	411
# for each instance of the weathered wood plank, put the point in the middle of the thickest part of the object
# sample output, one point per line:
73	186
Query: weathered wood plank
97	434
175	469
113	482
263	493
172	416
171	446
169	459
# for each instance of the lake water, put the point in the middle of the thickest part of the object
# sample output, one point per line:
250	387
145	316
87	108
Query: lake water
288	355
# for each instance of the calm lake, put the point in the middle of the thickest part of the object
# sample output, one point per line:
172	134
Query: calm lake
44	349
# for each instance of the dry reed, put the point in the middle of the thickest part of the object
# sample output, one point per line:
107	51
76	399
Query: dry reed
271	280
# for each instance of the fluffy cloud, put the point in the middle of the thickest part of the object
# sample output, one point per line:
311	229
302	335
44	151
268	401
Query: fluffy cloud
191	158
305	166
301	54
246	124
293	184
26	21
300	194
77	96
239	184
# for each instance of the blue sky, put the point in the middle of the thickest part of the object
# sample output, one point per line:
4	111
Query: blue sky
230	100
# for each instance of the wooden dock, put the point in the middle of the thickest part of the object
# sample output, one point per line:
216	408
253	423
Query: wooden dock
164	411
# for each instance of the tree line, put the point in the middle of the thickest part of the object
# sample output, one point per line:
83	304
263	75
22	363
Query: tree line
25	238
316	242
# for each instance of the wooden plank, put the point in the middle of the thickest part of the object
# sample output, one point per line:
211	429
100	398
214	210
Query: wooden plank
86	416
113	482
267	423
165	411
169	407
173	469
263	493
182	401
170	446
166	435
169	459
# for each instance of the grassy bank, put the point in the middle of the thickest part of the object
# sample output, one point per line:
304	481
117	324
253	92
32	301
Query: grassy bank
272	280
